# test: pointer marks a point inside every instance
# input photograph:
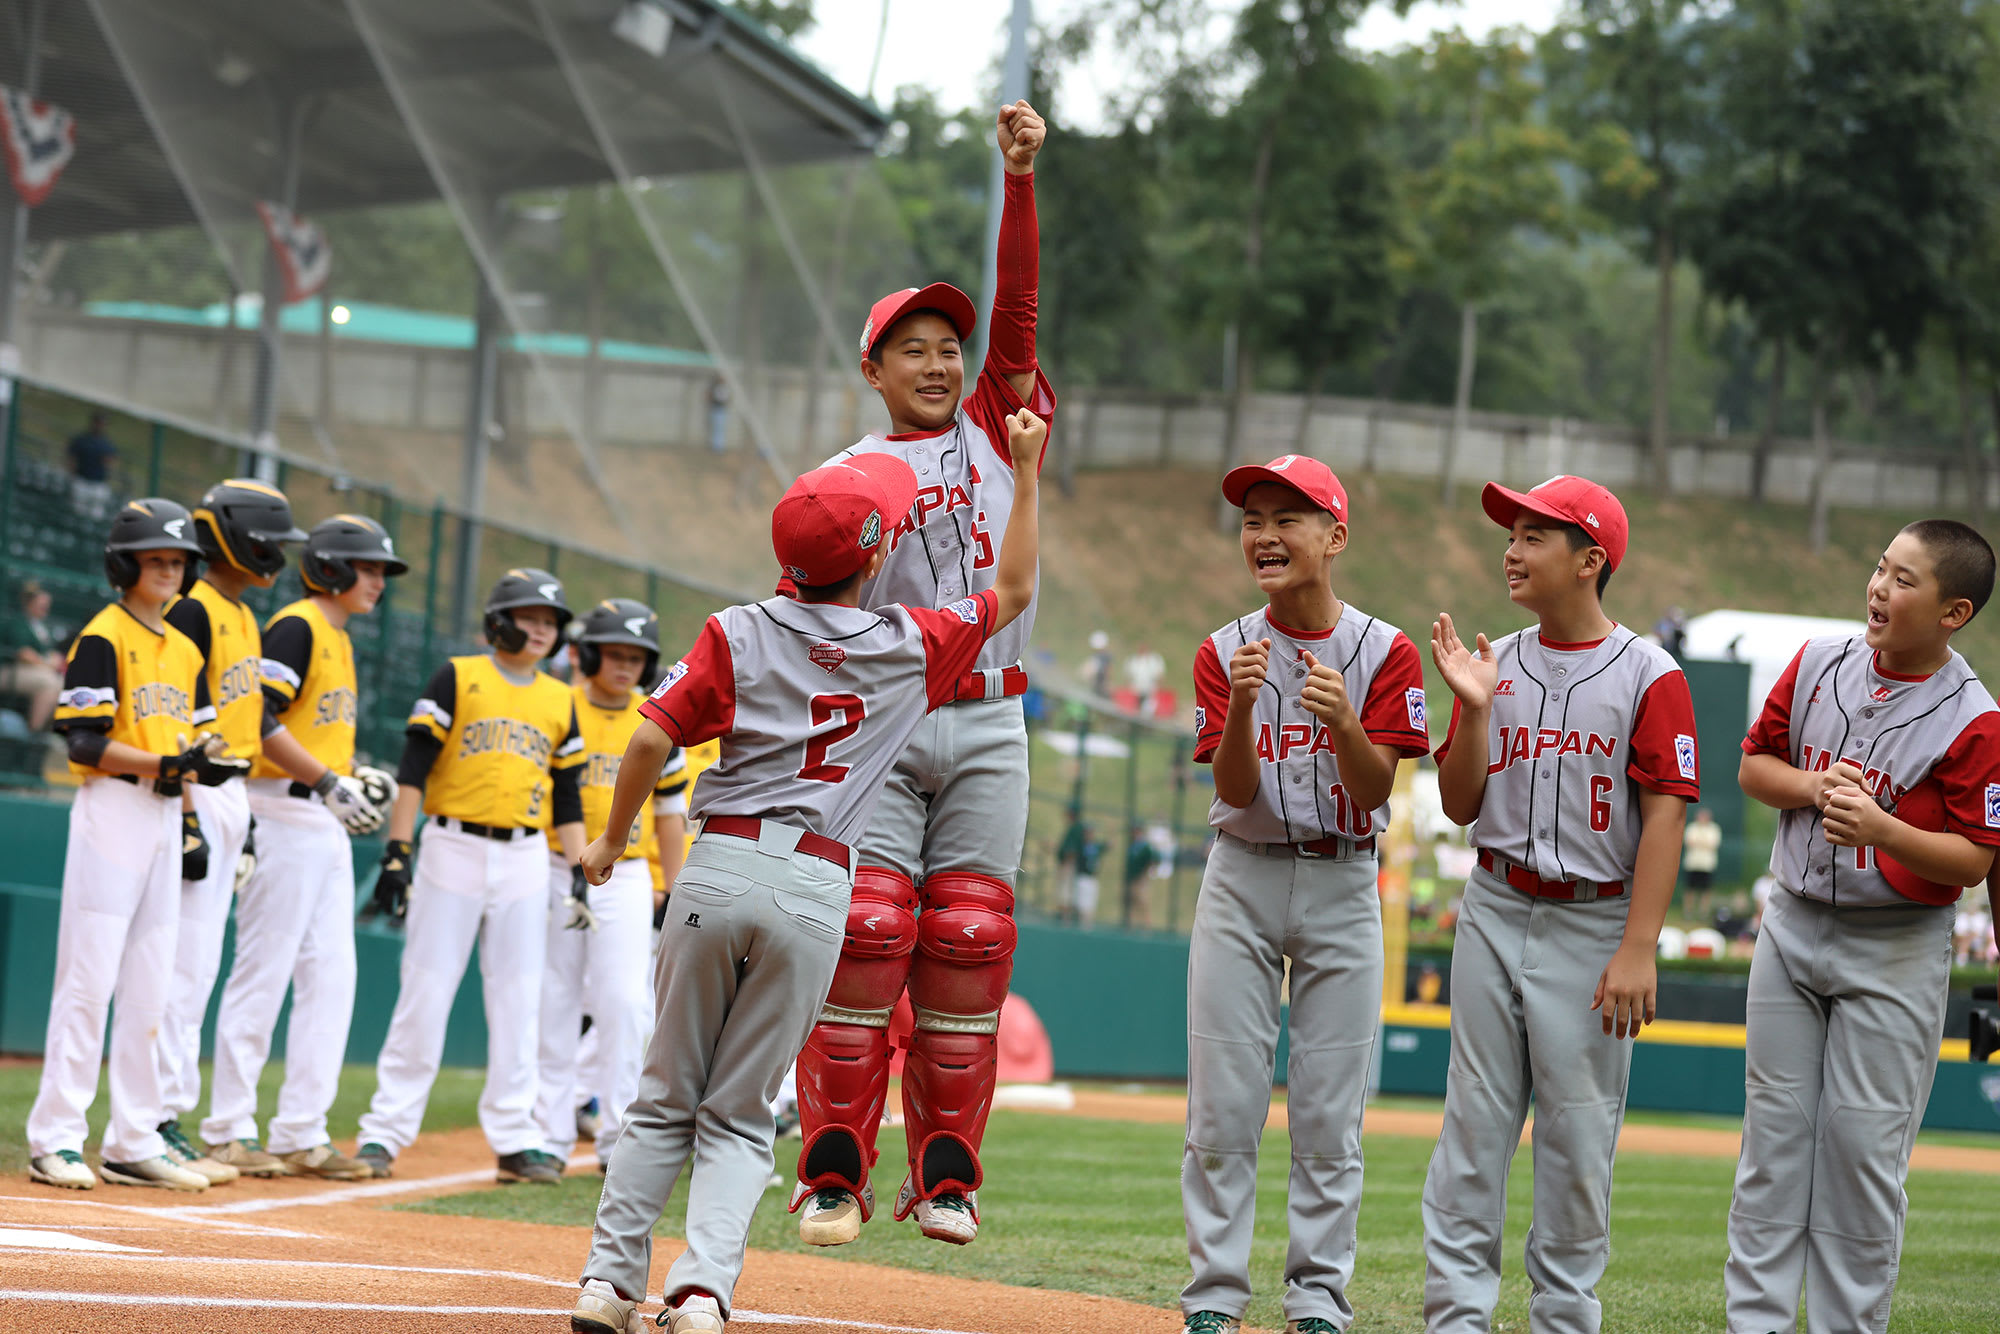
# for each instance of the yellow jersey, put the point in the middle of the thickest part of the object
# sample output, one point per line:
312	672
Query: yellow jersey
308	675
502	744
143	687
226	634
606	733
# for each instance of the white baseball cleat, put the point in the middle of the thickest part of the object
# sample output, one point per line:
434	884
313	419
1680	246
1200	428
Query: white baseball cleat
65	1168
950	1217
600	1310
832	1217
695	1315
162	1171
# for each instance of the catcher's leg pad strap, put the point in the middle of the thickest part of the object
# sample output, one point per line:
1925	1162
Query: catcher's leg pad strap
843	1073
965	956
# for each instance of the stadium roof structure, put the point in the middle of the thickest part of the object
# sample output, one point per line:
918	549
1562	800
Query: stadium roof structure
216	67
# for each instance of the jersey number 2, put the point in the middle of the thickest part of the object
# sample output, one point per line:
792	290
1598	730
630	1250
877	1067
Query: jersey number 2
825	708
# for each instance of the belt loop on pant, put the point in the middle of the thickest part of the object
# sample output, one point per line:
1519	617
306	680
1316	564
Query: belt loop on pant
751	828
1334	849
1568	891
992	683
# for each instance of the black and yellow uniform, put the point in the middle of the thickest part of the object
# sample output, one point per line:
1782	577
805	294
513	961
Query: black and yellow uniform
140	686
226	634
606	733
308	686
492	752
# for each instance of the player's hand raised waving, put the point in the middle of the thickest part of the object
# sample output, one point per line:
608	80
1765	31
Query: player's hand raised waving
1022	131
1471	675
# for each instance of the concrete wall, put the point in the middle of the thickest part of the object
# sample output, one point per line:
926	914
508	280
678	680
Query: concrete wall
205	374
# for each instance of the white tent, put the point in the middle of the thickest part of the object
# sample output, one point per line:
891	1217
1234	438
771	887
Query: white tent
1766	640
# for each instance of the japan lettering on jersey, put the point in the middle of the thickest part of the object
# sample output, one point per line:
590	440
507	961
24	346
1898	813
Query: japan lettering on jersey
813	702
949	546
1300	798
1929	746
1577	730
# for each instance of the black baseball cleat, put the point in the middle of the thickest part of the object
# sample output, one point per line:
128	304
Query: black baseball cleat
531	1166
376	1158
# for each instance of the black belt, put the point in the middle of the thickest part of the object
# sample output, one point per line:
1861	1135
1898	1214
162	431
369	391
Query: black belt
498	833
162	787
302	791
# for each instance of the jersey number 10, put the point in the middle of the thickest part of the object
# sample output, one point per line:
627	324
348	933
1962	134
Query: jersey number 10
825	708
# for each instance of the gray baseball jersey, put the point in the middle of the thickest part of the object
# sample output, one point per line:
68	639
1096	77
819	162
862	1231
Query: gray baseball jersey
1577	730
949	545
1930	747
1300	798
813	702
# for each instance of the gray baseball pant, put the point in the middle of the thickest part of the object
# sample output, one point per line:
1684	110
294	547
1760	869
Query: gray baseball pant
957	799
744	963
1254	911
1523	971
1846	1009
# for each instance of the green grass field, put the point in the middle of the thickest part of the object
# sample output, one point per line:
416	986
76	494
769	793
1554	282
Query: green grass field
1094	1207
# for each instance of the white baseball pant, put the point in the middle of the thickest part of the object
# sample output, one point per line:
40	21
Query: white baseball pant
294	927
224	813
607	974
1846	1010
114	941
1522	974
467	889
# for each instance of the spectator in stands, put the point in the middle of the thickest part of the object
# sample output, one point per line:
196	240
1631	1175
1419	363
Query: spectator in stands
1701	850
1077	859
31	656
91	454
718	415
1672	632
1140	857
1143	671
1097	667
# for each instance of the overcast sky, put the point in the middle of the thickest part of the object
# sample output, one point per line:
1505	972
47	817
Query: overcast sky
953	46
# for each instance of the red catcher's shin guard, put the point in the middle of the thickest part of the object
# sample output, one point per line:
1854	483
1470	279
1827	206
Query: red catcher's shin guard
965	956
843	1073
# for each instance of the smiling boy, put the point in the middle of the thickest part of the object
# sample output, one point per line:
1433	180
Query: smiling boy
1572	755
1881	753
1305	725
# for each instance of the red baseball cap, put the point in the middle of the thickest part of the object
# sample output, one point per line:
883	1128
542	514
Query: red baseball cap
1565	499
1304	474
831	520
947	300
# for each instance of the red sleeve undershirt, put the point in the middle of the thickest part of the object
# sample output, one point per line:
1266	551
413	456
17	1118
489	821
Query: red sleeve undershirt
1211	701
1665	755
1393	713
1010	337
1771	734
696	700
952	640
1969	774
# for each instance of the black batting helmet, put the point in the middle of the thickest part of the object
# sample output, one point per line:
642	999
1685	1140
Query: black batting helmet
332	547
520	588
245	523
152	524
618	621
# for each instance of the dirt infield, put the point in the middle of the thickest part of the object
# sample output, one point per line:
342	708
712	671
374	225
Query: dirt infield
281	1255
1683	1141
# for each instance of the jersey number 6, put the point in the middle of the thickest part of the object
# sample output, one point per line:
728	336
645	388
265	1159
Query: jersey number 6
850	711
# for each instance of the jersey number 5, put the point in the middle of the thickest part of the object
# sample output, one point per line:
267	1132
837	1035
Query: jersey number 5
825	708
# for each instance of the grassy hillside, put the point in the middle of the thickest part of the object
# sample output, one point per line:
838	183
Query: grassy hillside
1138	555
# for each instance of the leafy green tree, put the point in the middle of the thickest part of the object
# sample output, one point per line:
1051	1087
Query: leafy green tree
1832	213
1639	65
785	18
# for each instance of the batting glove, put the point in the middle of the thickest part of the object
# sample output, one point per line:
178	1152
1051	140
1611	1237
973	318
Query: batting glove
246	864
206	762
392	883
348	801
581	918
379	787
194	848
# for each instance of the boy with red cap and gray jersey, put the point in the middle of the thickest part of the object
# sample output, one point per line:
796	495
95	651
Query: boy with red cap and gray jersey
813	700
1305	725
1881	753
1572	755
948	832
